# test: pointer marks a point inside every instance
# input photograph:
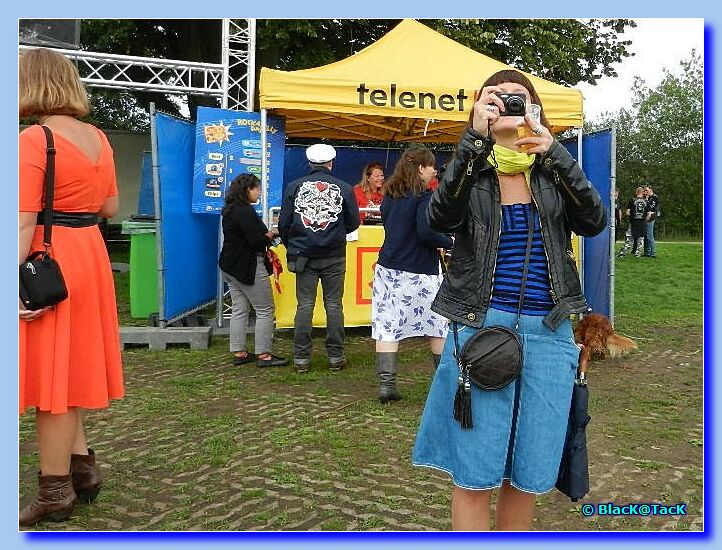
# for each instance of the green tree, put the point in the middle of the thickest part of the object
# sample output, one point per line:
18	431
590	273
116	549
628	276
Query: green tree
567	51
659	143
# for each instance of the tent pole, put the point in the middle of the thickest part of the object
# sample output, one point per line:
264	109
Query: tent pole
264	168
613	224
580	158
219	278
158	215
225	52
251	70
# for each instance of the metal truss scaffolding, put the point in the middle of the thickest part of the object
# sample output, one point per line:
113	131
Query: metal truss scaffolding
239	46
232	80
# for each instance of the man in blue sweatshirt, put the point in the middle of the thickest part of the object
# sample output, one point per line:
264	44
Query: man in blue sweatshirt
317	212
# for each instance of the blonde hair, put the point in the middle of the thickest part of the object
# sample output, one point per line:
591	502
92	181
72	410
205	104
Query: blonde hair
366	174
49	84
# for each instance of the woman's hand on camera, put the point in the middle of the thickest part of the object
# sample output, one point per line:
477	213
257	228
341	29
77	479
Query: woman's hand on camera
487	109
541	138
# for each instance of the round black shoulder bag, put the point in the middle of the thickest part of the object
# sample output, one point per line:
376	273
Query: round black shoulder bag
491	358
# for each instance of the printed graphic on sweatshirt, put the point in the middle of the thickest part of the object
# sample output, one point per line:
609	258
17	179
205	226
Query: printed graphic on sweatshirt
318	203
639	208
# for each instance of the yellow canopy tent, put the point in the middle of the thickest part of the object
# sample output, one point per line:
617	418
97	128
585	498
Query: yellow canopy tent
413	84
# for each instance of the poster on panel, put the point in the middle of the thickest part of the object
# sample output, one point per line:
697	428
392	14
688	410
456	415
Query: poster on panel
228	143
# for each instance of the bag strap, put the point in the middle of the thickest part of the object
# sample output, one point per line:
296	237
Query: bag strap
525	272
49	187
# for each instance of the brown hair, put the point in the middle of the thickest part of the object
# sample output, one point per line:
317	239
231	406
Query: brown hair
49	84
364	183
514	77
406	172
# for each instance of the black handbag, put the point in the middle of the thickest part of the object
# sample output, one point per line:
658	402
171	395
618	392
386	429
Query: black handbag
492	357
41	281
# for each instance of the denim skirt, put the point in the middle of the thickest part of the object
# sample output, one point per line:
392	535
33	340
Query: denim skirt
519	430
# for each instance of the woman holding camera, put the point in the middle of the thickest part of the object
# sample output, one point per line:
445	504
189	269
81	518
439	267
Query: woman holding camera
489	196
246	270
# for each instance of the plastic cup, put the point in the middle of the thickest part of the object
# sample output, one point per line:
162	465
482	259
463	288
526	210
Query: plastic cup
523	130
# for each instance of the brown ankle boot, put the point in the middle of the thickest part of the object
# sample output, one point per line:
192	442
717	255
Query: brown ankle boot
54	502
86	478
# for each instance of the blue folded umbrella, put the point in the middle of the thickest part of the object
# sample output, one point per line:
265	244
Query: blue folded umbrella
573	478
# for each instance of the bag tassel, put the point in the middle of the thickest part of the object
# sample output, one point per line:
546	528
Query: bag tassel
462	403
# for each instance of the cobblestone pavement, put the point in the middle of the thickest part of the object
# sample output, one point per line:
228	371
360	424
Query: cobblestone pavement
198	444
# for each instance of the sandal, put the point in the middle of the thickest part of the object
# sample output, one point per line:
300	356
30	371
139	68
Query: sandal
243	359
272	361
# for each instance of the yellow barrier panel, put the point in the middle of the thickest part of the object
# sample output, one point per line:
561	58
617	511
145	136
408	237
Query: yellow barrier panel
575	250
361	258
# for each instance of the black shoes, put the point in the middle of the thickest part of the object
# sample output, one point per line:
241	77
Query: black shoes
272	361
337	366
248	358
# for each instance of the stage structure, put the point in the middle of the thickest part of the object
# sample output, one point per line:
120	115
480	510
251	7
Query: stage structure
370	96
232	81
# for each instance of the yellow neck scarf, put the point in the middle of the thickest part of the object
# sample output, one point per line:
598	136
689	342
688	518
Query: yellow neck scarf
511	162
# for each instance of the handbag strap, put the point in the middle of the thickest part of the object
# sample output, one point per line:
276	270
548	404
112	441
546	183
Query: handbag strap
525	272
49	187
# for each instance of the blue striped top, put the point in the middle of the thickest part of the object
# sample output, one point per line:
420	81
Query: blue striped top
510	262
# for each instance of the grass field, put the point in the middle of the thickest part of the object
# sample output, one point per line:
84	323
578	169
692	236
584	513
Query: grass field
198	444
663	292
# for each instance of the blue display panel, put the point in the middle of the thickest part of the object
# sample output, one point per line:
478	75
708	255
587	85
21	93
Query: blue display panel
227	144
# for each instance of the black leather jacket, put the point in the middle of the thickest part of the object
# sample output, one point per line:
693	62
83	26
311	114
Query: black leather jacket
467	203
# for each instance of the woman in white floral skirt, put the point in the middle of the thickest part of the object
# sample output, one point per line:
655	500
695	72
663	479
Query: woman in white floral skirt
407	276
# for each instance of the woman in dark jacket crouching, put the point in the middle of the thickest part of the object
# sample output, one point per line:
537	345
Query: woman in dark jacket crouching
491	194
246	271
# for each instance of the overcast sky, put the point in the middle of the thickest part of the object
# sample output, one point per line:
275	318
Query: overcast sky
658	44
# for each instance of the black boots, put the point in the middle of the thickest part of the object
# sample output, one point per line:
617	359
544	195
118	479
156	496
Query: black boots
86	478
386	370
54	502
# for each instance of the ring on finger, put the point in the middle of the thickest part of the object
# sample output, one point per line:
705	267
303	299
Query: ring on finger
537	130
490	108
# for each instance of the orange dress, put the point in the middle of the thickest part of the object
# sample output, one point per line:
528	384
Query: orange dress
70	356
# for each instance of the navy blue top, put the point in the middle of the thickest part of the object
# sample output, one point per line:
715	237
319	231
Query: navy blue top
317	212
510	263
409	243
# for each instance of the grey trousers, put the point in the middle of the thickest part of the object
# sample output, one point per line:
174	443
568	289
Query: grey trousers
259	296
330	271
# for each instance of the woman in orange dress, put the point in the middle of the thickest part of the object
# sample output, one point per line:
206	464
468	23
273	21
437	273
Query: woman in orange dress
70	353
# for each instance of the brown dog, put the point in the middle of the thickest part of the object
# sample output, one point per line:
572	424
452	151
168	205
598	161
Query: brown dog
597	337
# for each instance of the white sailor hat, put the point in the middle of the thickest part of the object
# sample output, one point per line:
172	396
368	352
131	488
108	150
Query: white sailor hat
320	153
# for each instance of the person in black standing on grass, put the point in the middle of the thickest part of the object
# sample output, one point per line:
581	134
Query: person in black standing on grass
636	212
317	213
617	214
650	246
246	270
